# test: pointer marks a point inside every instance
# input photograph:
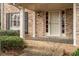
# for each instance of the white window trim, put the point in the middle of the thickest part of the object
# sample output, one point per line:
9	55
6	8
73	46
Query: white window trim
48	24
11	25
22	30
74	24
60	23
65	24
34	24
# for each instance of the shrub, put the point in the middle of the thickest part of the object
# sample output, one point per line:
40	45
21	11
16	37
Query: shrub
11	43
9	33
76	53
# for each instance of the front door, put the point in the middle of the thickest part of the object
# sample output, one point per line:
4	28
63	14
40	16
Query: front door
55	27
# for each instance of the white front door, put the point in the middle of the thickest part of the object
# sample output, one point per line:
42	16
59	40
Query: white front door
55	27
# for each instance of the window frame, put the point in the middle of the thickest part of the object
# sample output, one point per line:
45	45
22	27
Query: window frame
11	27
12	20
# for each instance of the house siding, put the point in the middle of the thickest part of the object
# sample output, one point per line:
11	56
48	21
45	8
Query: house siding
69	23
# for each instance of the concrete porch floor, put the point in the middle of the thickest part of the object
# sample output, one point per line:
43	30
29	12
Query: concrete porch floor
44	47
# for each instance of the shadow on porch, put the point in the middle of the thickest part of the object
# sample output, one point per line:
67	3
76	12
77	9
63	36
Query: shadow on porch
52	39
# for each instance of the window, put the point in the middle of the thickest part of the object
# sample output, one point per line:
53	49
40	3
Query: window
15	19
46	21
26	22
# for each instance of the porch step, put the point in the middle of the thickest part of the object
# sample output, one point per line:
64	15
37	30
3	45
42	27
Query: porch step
40	44
39	52
47	48
51	39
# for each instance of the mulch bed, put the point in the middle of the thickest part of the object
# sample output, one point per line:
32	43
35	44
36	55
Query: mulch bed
10	53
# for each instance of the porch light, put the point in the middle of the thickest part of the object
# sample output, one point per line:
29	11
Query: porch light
38	13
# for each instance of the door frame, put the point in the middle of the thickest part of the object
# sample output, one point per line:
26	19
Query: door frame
48	34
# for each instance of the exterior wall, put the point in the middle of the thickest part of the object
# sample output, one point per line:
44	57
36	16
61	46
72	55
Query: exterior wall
12	9
40	24
77	23
8	9
30	21
69	23
40	20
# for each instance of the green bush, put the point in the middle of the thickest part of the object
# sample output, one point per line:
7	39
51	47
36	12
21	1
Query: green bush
9	33
76	53
11	43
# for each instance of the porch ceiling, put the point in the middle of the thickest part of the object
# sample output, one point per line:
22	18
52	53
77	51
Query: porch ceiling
45	6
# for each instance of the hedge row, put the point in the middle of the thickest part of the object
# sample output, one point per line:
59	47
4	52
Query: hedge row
9	33
76	53
11	43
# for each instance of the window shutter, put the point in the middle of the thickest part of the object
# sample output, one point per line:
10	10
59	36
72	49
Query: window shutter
8	20
26	22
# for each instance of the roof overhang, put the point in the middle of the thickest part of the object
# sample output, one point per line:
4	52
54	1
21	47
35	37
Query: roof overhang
44	6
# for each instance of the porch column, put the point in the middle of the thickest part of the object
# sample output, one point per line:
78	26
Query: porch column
5	21
74	24
34	24
22	23
2	16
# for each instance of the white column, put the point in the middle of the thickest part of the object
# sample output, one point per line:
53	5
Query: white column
49	24
2	16
34	24
22	30
74	24
5	21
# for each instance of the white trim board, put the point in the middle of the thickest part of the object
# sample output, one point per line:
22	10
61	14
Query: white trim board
34	24
74	24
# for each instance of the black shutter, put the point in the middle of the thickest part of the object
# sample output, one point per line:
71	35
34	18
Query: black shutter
8	20
26	22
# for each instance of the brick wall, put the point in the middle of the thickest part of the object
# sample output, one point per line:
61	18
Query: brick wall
69	23
31	15
13	9
40	24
